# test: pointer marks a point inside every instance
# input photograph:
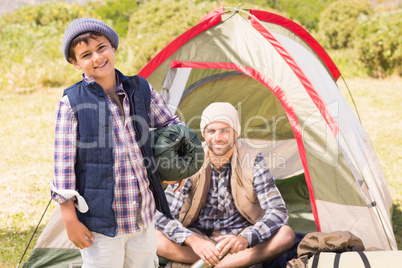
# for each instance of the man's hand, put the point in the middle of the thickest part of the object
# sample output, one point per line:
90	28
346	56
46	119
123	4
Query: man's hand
181	184
77	232
231	244
205	249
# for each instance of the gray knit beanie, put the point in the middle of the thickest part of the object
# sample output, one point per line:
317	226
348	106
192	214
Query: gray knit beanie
83	25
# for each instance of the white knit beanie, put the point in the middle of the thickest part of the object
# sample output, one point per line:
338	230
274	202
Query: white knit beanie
220	112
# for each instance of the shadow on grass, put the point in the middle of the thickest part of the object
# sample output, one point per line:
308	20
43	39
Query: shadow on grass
13	243
397	224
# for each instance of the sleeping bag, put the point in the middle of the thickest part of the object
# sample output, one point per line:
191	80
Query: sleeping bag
178	152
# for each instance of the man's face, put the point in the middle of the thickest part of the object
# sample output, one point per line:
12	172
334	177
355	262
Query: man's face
96	59
220	138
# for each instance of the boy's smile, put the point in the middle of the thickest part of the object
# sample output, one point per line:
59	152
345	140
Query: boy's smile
96	59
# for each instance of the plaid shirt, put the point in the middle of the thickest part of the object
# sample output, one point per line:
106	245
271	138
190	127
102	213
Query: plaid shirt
228	220
133	198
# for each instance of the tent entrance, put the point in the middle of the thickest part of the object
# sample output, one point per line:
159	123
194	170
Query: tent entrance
294	191
265	125
188	91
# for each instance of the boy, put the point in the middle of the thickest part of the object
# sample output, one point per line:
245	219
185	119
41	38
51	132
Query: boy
103	159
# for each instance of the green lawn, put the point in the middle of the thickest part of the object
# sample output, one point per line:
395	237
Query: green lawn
26	131
380	109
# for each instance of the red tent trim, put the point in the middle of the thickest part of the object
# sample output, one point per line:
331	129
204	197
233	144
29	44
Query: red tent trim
282	99
302	33
211	19
214	17
315	97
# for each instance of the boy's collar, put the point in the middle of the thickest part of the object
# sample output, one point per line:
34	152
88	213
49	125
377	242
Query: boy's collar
90	80
119	76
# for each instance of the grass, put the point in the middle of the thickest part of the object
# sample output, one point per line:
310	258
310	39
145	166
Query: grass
26	128
378	104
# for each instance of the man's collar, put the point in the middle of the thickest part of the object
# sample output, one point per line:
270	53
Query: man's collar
221	168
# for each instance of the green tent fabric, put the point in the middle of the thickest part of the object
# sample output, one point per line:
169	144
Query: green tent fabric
296	196
54	258
53	248
178	152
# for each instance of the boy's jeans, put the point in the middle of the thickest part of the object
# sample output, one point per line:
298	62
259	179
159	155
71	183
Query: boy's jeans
124	250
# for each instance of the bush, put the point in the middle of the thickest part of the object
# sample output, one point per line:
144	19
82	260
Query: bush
297	10
154	25
30	51
158	22
348	64
116	13
378	43
49	13
338	21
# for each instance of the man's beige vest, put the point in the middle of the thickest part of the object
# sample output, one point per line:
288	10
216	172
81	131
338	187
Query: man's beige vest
241	183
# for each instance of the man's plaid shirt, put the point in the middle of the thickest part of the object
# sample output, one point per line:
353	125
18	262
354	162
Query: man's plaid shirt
133	198
226	218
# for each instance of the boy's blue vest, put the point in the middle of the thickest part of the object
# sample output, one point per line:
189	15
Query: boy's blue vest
94	165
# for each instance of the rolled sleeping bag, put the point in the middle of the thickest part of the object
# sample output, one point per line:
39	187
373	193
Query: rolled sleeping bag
178	152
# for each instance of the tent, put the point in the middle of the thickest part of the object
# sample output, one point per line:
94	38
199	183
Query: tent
284	86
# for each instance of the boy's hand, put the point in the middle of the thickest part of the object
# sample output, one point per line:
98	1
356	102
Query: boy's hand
77	232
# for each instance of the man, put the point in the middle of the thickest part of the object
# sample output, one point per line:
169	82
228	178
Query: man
233	197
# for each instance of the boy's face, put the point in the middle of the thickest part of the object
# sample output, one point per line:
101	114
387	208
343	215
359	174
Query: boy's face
95	59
